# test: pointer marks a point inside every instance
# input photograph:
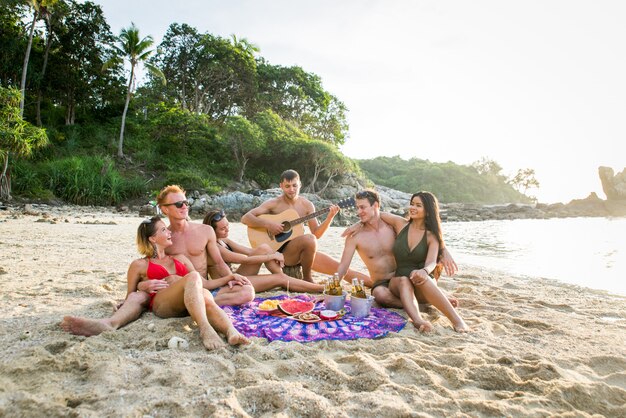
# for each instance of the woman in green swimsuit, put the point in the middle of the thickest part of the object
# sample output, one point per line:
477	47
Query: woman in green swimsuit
417	248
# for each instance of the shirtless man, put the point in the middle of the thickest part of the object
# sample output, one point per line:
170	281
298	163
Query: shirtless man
198	243
374	242
195	241
302	249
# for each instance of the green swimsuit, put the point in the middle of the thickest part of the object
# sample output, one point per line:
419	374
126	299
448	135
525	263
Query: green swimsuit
408	260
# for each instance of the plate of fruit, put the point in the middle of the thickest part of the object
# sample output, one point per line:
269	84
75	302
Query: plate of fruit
268	306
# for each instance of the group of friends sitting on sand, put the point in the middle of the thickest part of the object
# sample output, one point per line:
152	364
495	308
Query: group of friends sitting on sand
186	266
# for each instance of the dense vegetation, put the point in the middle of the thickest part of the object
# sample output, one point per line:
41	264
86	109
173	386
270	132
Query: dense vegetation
210	111
479	183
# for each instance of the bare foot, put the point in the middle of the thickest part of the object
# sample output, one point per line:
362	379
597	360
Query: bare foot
234	337
211	340
461	326
84	326
423	326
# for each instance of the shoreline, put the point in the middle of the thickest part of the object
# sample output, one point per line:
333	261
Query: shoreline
537	348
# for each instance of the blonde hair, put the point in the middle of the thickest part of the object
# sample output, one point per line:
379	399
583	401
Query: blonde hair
174	188
147	228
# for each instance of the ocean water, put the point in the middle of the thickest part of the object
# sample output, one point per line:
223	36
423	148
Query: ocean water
589	252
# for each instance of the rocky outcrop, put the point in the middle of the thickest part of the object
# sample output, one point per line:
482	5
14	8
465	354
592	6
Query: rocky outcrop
236	202
614	185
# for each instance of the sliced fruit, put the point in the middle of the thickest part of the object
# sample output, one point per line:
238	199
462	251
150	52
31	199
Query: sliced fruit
329	315
293	306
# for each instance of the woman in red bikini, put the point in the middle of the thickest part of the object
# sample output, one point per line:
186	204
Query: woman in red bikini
175	288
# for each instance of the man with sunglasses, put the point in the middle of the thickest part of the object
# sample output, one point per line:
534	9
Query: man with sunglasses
198	243
195	241
300	250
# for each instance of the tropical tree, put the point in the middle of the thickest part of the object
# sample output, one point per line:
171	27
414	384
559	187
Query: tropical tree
38	7
178	60
137	51
325	163
487	166
13	42
51	16
299	97
16	135
245	141
524	179
77	79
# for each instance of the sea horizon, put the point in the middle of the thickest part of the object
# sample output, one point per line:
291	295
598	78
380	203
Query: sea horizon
581	251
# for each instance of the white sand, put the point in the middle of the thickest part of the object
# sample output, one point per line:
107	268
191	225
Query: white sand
538	348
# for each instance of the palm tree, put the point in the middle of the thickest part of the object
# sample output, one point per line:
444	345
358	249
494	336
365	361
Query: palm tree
136	50
244	45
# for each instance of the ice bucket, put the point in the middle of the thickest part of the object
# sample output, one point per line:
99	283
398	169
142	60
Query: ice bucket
360	307
335	303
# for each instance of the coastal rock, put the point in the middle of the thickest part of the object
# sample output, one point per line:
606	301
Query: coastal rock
613	185
237	202
616	207
148	210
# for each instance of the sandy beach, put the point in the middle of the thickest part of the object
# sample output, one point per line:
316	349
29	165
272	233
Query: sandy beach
538	348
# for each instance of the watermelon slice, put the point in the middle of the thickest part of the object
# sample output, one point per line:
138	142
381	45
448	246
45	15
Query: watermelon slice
293	307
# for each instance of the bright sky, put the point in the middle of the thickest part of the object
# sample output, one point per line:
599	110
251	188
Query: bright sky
530	84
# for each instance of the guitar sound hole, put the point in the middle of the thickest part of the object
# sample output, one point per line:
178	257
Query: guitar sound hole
286	227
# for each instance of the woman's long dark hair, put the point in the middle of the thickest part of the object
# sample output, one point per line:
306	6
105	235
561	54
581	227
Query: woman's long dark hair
433	223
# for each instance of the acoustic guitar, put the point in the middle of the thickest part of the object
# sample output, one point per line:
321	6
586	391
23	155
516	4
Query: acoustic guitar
292	226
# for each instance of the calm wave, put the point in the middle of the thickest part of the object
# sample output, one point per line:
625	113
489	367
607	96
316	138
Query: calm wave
589	252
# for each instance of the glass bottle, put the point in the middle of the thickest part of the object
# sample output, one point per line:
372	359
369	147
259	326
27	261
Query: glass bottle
358	291
337	290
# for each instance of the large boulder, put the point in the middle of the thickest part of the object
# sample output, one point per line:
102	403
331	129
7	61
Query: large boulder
592	205
614	185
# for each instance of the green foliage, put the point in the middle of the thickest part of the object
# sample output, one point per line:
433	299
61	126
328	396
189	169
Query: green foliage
89	181
207	74
16	135
448	181
245	141
298	97
524	179
136	50
191	180
225	114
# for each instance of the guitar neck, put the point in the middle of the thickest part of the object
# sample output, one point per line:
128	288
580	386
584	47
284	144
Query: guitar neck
309	216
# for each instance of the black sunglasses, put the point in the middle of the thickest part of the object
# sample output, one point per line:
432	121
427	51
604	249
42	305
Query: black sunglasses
178	204
219	216
364	194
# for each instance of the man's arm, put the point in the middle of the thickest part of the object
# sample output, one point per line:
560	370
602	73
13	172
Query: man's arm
448	262
251	218
346	257
318	229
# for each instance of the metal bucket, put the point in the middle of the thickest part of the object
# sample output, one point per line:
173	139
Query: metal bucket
335	303
361	307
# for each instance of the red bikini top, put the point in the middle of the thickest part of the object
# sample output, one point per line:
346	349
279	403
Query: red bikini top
157	271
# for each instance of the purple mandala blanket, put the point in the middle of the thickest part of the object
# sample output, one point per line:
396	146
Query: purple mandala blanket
258	324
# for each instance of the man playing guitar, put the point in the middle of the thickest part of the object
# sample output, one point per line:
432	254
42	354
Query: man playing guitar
300	249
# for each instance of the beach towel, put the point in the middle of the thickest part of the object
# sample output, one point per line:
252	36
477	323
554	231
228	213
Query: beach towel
252	323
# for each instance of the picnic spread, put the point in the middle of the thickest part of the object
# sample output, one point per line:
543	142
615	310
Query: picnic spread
306	319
